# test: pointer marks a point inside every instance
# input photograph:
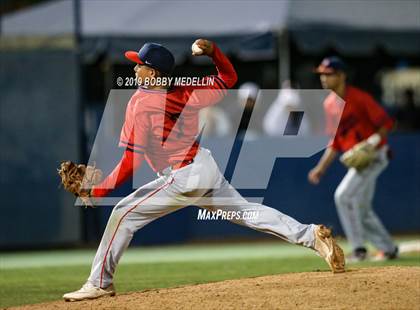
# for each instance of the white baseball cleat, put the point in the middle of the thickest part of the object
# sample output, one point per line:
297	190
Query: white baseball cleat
89	291
327	247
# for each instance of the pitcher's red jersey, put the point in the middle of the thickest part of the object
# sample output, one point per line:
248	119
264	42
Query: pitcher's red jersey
163	124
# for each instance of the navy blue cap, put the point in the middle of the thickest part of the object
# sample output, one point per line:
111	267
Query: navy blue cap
331	65
155	56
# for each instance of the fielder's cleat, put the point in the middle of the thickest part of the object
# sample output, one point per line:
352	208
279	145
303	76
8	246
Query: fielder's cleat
358	255
353	259
328	248
384	256
89	291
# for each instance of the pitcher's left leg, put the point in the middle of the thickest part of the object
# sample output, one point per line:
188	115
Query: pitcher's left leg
261	217
272	221
223	197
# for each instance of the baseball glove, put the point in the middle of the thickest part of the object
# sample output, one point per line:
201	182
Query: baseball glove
359	156
79	179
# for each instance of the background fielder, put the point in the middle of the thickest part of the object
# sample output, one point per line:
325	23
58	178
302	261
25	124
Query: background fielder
362	119
161	127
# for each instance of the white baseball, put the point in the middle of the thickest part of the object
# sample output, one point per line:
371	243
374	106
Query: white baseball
196	49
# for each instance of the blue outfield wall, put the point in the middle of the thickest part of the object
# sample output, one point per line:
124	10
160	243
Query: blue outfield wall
397	199
38	129
35	224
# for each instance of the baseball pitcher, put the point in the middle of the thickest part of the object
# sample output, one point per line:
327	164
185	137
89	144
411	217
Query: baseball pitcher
161	128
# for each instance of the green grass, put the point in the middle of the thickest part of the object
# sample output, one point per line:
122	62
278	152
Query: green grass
33	277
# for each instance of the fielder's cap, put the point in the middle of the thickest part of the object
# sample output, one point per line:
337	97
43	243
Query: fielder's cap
331	65
153	55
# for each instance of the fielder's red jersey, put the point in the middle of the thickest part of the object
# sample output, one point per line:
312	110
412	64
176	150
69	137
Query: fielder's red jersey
161	126
362	116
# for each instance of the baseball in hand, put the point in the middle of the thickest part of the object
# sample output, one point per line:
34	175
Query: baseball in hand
196	50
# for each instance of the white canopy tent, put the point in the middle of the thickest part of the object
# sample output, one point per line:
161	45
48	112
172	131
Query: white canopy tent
249	29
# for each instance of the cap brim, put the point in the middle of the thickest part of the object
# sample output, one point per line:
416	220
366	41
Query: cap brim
324	70
134	57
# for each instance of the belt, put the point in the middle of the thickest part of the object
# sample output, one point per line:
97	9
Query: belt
176	166
182	164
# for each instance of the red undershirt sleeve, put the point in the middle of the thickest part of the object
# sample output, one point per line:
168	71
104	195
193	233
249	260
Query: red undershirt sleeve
214	86
226	76
129	163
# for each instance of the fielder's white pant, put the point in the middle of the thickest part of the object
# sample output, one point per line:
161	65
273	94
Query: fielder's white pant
200	183
353	199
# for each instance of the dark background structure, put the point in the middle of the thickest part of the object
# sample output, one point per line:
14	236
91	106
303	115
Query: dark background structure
60	59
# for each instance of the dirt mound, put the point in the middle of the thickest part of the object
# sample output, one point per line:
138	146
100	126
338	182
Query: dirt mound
366	288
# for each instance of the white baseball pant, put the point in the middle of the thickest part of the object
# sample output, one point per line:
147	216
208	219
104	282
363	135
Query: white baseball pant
200	183
353	198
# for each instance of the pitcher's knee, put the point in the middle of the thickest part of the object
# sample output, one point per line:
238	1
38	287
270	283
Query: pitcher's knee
117	212
122	220
120	212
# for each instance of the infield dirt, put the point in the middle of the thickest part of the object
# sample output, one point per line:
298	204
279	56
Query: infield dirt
365	288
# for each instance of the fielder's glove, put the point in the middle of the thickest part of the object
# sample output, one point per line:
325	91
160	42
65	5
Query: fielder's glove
359	156
79	179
